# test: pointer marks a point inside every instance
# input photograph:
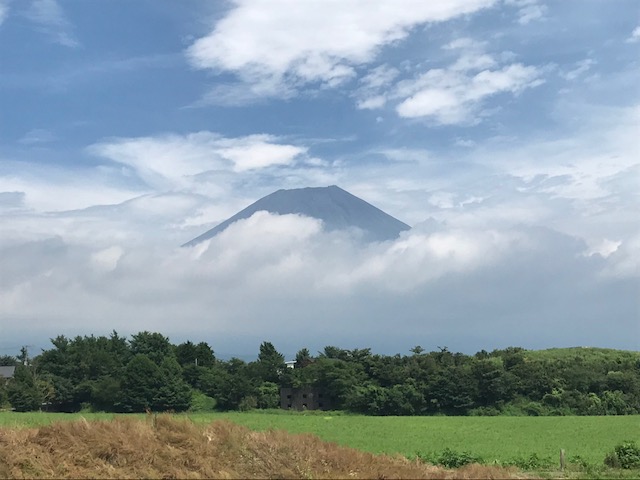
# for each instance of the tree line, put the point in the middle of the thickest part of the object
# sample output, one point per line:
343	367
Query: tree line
148	372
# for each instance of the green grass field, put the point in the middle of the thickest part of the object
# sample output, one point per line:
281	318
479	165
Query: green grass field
491	438
502	439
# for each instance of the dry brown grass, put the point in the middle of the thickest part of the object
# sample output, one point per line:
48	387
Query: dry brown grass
164	447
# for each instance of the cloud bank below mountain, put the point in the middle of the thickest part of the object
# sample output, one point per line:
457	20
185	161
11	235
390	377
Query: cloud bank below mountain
284	279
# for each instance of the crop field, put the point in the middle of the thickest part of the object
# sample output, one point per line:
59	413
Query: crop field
505	440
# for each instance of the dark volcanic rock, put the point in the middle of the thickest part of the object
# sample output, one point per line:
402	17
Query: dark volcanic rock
337	208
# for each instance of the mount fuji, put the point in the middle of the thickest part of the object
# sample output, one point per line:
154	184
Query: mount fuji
335	207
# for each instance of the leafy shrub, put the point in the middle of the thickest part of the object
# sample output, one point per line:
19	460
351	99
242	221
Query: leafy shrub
624	455
201	402
248	403
484	412
532	462
431	458
578	460
452	459
534	409
590	470
612	460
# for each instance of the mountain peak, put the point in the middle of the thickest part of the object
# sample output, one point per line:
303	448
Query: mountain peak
337	208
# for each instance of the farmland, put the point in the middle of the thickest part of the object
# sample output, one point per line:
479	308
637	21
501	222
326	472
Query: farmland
173	447
502	440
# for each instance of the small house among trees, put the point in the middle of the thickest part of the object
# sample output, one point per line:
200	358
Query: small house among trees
6	373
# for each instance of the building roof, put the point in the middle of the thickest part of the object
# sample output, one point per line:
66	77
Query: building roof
7	372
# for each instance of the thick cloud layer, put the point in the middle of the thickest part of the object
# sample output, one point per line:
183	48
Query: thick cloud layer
282	278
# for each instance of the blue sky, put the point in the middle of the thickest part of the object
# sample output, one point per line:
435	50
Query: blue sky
505	132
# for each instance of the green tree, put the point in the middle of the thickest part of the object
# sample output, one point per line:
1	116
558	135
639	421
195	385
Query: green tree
105	393
8	361
154	345
141	380
270	365
615	403
268	395
452	391
495	385
193	358
369	399
335	353
404	399
23	392
337	378
417	350
303	358
228	382
173	393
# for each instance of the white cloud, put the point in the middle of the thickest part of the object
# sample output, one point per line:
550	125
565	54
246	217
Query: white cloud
452	97
635	35
452	94
372	103
258	151
107	259
579	69
528	10
47	189
50	18
584	184
279	45
376	81
282	278
240	94
37	136
173	161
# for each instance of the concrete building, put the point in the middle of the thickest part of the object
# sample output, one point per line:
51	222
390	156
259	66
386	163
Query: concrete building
304	399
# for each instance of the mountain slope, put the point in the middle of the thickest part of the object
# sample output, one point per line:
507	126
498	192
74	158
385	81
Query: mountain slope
337	208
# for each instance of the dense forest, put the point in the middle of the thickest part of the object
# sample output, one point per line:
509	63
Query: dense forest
147	372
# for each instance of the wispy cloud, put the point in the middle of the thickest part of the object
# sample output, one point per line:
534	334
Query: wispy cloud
37	136
452	98
62	79
579	69
373	84
240	94
4	11
635	35
47	188
529	10
174	161
453	94
51	19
